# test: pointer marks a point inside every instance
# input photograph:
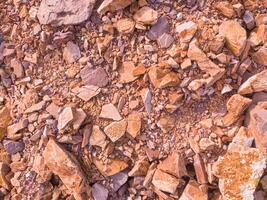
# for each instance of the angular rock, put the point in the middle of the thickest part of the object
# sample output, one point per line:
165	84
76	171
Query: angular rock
217	44
147	97
261	19
4	170
165	40
13	147
62	163
98	138
36	107
186	31
64	12
194	191
139	70
258	36
134	124
78	118
14	128
53	110
17	68
99	192
160	27
146	16
126	72
65	118
225	8
249	20
260	56
201	173
109	111
206	144
140	168
71	53
88	92
5	119
125	25
113	5
116	130
166	123
256	83
118	180
97	77
235	36
186	63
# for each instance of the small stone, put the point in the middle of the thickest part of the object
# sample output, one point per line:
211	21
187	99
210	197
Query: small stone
98	138
226	88
71	53
165	40
109	111
97	77
125	25
4	181
258	36
140	168
159	28
146	16
194	191
14	128
17	68
134	124
147	97
225	8
78	118
5	119
239	9
65	118
116	130
126	72
36	107
201	173
118	180
186	31
186	63
13	147
217	44
99	192
260	56
166	123
149	175
139	70
113	5
53	110
205	144
88	92
261	19
249	20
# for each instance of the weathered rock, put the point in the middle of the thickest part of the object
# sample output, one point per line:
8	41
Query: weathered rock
249	20
201	173
186	31
17	68
194	191
258	36
140	168
134	124
225	8
261	19
217	44
116	130
139	70
99	192
71	53
118	180
160	27
165	40
78	118
147	97
109	111
166	123
5	120
62	163
256	83
65	118
113	5
125	25
98	138
126	72
149	175
88	92
260	56
97	77
36	107
64	12
13	147
14	128
206	144
4	170
186	63
235	36
146	16
53	110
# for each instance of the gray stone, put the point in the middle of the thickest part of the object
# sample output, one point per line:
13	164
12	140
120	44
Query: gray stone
249	20
71	53
118	180
99	192
162	26
13	147
97	77
165	40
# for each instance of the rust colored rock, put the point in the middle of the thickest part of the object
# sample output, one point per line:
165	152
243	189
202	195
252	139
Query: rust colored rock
134	124
194	191
260	56
116	130
140	168
126	72
139	70
258	36
5	119
146	16
4	170
225	8
113	5
63	164
125	25
186	31
200	170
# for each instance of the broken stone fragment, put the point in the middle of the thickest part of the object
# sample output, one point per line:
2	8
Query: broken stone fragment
140	168
139	70
65	118
249	20
147	97
258	36
194	191
206	144
97	77
64	12
225	8
98	138
78	118
260	56
134	124
17	68
36	107
166	123
109	111
149	175
160	27
4	170
62	163
53	110
165	182
113	5
186	31
256	83
118	180
13	147
126	72
200	170
71	53
165	40
146	16
99	192
235	36
125	25
5	120
116	130
88	92
14	128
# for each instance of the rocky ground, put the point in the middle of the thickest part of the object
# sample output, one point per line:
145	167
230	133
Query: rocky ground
133	99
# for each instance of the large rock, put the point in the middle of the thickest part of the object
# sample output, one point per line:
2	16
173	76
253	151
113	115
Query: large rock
256	83
162	26
116	130
65	165
194	191
64	12
235	36
97	77
260	56
225	8
113	5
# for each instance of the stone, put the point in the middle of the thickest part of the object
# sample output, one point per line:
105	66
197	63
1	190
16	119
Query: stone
79	117
147	97
125	25
194	191
99	192
5	120
249	20
139	70
140	168
53	110
126	72
146	16
149	175
17	68
71	53
109	111
65	118
13	147
36	107
134	124
174	164
216	45
186	63
118	180
225	8
258	36
165	40
166	123
235	36
14	128
113	5
159	28
205	144
62	163
98	138
186	31
256	83
200	170
165	182
97	77
260	56
64	12
88	92
261	19
239	9
113	167
4	181
116	130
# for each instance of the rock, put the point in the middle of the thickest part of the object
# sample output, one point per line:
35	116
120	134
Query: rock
205	144
147	97
258	36
261	19
260	56
116	130
160	27
200	170
13	147
174	164
125	25
256	83
194	191
166	123
98	138
113	167
88	92
14	128
118	180
17	68
62	163
64	12
139	70
4	170
71	53
65	118
53	110
235	36
165	40
134	124
97	77
5	119
126	72
36	107
113	5
165	182
149	175
78	118
186	31
217	44
140	168
226	88
109	111
99	192
186	63
249	20
146	16
225	8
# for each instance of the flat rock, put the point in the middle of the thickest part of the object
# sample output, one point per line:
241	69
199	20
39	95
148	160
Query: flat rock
14	128
126	72
125	25
13	147
258	36
36	107
109	111
147	97
146	16
113	5
71	53
4	181
166	123
118	180
140	168
256	83
249	20
78	118
53	110
62	163
235	36
17	68
88	92
134	124
65	118
186	31
97	77
160	27
201	173
116	130
165	40
99	192
5	120
225	8
64	12
194	191
260	56
98	138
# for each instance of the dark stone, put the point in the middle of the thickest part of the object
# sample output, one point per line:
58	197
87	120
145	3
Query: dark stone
13	147
162	26
165	40
249	20
97	77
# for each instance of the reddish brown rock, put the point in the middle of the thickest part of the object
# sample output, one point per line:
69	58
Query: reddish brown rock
113	5
109	111
126	72
186	31
5	120
139	70
140	168
200	170
65	118
146	16
125	25
17	68
225	8
116	130
4	170
194	191
260	56
258	36
134	124
97	77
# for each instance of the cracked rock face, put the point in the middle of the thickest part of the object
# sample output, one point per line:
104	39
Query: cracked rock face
64	12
